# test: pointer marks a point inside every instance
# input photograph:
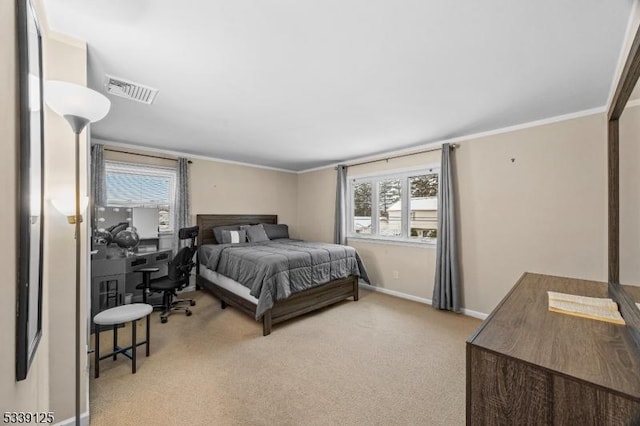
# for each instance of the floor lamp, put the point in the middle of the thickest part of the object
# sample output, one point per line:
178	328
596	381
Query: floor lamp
80	106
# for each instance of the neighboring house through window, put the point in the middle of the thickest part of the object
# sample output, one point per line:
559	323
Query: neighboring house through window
400	206
135	185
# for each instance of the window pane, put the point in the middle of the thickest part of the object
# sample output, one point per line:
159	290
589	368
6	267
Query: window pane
127	188
423	216
164	222
362	208
390	207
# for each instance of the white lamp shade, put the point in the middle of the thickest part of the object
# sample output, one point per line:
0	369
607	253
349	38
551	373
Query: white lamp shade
72	99
67	205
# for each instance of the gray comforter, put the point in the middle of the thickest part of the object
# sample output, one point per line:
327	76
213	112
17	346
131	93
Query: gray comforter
274	270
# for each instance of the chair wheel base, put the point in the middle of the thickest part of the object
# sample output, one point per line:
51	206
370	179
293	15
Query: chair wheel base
193	303
163	319
188	313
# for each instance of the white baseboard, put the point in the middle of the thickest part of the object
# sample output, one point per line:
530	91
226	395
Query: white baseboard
84	420
474	314
464	311
191	287
396	293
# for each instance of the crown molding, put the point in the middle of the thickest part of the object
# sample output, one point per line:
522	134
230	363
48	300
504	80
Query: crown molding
183	154
633	103
418	148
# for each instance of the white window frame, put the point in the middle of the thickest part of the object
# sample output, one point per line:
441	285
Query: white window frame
147	170
374	179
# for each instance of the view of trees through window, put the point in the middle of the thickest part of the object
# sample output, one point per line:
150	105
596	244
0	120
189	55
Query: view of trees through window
362	207
390	207
422	190
424	206
424	186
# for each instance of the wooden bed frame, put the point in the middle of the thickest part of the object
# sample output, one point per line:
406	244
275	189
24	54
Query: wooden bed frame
296	305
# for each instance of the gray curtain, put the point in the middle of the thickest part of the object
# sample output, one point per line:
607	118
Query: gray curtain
98	176
446	288
340	226
182	210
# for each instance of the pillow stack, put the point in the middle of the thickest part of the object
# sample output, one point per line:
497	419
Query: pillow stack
236	234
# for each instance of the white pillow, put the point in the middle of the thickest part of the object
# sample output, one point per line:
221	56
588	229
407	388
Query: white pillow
234	237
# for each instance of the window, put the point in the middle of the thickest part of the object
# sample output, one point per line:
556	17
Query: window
362	207
401	206
134	185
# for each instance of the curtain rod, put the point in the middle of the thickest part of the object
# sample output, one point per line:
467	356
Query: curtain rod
452	146
143	155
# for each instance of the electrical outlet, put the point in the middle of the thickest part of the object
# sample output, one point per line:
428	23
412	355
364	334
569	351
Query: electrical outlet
396	275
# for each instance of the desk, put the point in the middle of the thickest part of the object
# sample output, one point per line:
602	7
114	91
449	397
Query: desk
526	365
112	278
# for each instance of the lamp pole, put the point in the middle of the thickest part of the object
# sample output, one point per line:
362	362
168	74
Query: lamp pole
78	247
77	124
79	106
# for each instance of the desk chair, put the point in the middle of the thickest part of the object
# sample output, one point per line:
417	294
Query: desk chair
179	270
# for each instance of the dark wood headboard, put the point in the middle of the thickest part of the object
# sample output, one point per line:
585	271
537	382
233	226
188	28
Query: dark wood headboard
206	222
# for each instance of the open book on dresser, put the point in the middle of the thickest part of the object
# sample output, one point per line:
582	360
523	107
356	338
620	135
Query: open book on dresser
602	309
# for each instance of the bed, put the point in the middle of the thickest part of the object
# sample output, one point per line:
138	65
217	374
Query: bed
232	293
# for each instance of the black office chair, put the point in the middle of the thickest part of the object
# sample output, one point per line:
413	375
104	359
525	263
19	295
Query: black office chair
179	270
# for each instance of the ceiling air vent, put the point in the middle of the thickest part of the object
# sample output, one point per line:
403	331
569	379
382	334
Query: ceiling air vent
130	90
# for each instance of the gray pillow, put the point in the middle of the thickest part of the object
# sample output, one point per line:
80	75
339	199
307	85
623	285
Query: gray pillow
275	232
230	236
256	233
217	231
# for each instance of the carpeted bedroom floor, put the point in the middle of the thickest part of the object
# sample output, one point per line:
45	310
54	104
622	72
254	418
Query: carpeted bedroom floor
379	361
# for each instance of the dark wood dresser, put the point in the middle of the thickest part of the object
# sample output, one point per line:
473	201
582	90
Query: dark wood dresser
529	366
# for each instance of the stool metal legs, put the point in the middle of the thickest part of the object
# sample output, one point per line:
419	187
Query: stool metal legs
115	341
148	334
97	352
118	350
133	346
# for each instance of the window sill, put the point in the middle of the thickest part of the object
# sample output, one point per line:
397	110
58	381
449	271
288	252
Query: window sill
394	242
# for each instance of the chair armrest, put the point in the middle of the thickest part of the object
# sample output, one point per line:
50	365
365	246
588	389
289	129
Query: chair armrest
143	270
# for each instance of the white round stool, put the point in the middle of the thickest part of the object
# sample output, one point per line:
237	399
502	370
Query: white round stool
116	316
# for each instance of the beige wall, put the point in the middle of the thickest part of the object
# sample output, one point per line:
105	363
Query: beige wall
316	200
630	196
31	394
544	212
225	188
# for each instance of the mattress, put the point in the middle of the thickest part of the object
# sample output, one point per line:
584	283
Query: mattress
227	283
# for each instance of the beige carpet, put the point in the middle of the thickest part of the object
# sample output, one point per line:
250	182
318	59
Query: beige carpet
379	361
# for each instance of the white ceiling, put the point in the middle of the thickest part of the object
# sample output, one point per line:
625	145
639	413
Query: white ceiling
298	84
